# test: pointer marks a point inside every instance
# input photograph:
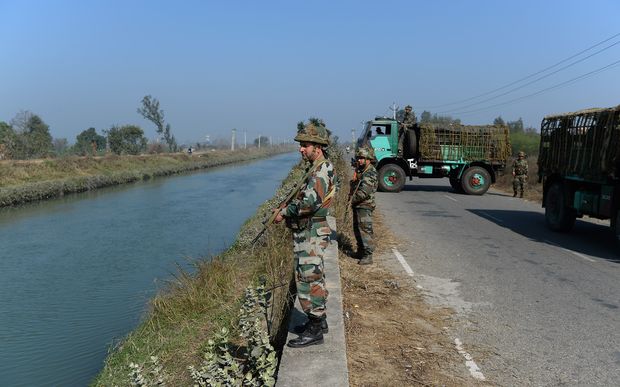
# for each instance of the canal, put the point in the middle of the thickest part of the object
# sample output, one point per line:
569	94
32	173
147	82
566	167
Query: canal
76	273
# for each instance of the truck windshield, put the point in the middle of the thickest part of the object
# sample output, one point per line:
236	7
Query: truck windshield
372	130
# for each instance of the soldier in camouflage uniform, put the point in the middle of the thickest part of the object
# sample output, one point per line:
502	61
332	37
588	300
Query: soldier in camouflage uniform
306	215
362	195
408	123
519	171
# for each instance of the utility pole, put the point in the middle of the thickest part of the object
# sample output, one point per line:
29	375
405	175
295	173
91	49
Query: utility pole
259	141
232	144
245	139
394	109
353	136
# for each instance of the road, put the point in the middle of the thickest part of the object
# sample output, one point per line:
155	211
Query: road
533	307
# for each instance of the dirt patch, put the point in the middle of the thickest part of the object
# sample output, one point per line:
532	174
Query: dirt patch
393	337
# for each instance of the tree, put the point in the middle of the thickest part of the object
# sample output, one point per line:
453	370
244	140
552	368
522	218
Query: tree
425	117
499	121
84	141
264	141
128	139
33	136
515	126
60	145
151	111
7	140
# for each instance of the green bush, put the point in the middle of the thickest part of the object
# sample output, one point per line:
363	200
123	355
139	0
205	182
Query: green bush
527	142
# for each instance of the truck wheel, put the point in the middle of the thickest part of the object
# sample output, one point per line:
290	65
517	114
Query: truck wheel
391	178
411	144
475	181
558	216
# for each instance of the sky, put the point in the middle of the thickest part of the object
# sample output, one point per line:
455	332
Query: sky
262	66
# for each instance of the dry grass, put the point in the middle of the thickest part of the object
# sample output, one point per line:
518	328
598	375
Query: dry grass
26	181
393	337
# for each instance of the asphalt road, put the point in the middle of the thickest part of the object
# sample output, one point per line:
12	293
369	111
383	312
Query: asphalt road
533	307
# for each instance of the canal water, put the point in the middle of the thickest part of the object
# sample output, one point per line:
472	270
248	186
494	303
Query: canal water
76	273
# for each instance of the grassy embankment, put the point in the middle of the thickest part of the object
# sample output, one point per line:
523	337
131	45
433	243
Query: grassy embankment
194	306
31	180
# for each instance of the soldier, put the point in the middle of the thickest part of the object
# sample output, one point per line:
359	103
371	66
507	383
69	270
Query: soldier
306	216
408	123
519	171
362	195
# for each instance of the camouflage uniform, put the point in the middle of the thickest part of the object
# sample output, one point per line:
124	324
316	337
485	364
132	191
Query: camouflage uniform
307	217
519	170
363	188
408	123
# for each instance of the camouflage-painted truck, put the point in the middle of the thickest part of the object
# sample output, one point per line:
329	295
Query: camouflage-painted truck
579	166
470	156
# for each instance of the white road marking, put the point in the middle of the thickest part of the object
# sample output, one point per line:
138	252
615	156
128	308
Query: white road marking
474	370
491	216
570	251
403	262
451	198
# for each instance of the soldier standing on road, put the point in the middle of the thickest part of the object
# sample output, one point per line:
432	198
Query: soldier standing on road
362	195
306	216
519	171
408	123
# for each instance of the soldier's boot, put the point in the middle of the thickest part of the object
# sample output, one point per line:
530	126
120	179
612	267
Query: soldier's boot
366	260
311	336
521	194
514	195
299	329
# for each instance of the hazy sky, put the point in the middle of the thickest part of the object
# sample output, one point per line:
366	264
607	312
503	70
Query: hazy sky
262	66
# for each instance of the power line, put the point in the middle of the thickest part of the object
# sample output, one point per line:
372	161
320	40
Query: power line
562	84
534	81
527	77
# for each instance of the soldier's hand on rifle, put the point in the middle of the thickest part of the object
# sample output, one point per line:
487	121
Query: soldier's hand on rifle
278	217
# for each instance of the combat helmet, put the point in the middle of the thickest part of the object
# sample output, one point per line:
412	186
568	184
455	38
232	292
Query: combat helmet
313	133
365	152
408	107
521	154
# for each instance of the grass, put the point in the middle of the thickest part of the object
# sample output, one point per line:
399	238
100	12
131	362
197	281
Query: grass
31	180
196	305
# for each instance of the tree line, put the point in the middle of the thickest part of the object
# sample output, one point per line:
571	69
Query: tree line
27	136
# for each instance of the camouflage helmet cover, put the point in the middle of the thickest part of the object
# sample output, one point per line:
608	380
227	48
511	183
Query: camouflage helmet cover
313	133
365	152
521	154
408	107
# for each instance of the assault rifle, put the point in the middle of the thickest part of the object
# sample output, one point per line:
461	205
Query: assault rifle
351	194
290	196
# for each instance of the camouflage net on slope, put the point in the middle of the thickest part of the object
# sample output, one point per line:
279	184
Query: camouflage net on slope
465	142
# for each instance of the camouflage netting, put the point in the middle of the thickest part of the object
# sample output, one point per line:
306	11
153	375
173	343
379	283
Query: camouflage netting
584	143
464	142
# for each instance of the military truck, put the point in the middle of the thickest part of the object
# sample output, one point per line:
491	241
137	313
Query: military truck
579	166
470	156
